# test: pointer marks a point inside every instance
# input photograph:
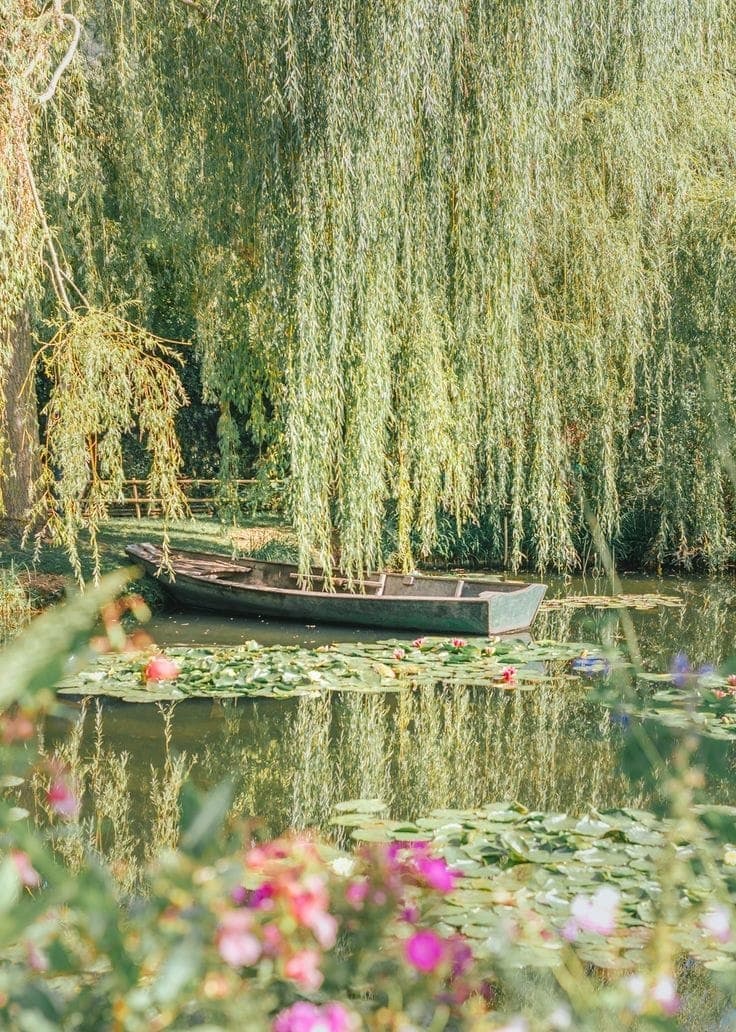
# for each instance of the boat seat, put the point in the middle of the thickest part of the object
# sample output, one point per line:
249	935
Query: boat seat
344	580
459	588
228	571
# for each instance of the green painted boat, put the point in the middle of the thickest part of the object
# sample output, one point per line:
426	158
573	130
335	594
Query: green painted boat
252	587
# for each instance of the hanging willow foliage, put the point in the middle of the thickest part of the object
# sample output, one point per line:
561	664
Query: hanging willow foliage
106	376
440	256
506	230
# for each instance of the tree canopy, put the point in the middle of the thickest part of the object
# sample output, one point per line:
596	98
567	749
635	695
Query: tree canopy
436	256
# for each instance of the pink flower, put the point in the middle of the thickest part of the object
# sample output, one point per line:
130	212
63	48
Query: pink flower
664	992
62	799
461	954
324	927
717	921
436	873
731	680
424	950
308	1017
410	914
37	959
160	668
458	643
399	654
719	693
508	674
418	642
597	913
356	893
303	968
25	870
235	940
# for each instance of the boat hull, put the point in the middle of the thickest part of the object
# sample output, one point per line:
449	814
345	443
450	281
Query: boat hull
500	613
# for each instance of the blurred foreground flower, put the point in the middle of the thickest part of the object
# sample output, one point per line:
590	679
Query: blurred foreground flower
308	1017
160	668
597	913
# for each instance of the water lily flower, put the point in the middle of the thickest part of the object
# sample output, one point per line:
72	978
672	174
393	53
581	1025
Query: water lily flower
160	668
458	643
717	921
508	674
37	959
597	913
418	642
425	950
731	680
308	1017
25	870
237	944
303	968
399	654
62	799
343	865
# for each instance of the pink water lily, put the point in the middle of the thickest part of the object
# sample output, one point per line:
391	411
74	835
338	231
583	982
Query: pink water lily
160	668
399	654
458	643
508	674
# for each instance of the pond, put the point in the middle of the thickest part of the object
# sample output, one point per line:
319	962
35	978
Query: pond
292	760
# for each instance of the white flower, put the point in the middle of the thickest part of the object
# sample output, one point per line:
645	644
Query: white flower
343	865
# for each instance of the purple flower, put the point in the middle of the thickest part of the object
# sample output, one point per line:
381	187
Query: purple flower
680	670
424	950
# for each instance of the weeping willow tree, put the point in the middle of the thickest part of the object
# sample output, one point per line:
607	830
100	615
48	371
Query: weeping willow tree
106	376
441	257
508	232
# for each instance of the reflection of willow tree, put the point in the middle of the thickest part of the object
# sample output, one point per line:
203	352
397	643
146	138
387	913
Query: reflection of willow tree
458	256
455	747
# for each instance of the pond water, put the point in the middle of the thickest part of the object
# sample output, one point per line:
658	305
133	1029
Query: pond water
292	760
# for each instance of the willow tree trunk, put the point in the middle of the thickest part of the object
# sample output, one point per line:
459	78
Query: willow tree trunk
18	422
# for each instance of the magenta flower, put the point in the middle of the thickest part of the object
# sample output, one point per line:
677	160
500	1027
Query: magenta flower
436	873
356	893
308	1017
236	942
508	674
424	950
62	799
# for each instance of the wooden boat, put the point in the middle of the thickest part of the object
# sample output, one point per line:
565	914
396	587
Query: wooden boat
252	587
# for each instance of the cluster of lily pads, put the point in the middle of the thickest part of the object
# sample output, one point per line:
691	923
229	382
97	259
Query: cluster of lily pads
285	671
524	873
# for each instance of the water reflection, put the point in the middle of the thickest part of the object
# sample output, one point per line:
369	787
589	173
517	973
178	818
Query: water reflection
448	747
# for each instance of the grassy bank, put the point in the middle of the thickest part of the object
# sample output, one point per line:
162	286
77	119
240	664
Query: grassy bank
46	575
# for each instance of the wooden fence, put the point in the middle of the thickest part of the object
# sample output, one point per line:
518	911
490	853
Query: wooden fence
201	495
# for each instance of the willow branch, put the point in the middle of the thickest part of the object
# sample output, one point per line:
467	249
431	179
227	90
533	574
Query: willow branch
66	59
57	277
